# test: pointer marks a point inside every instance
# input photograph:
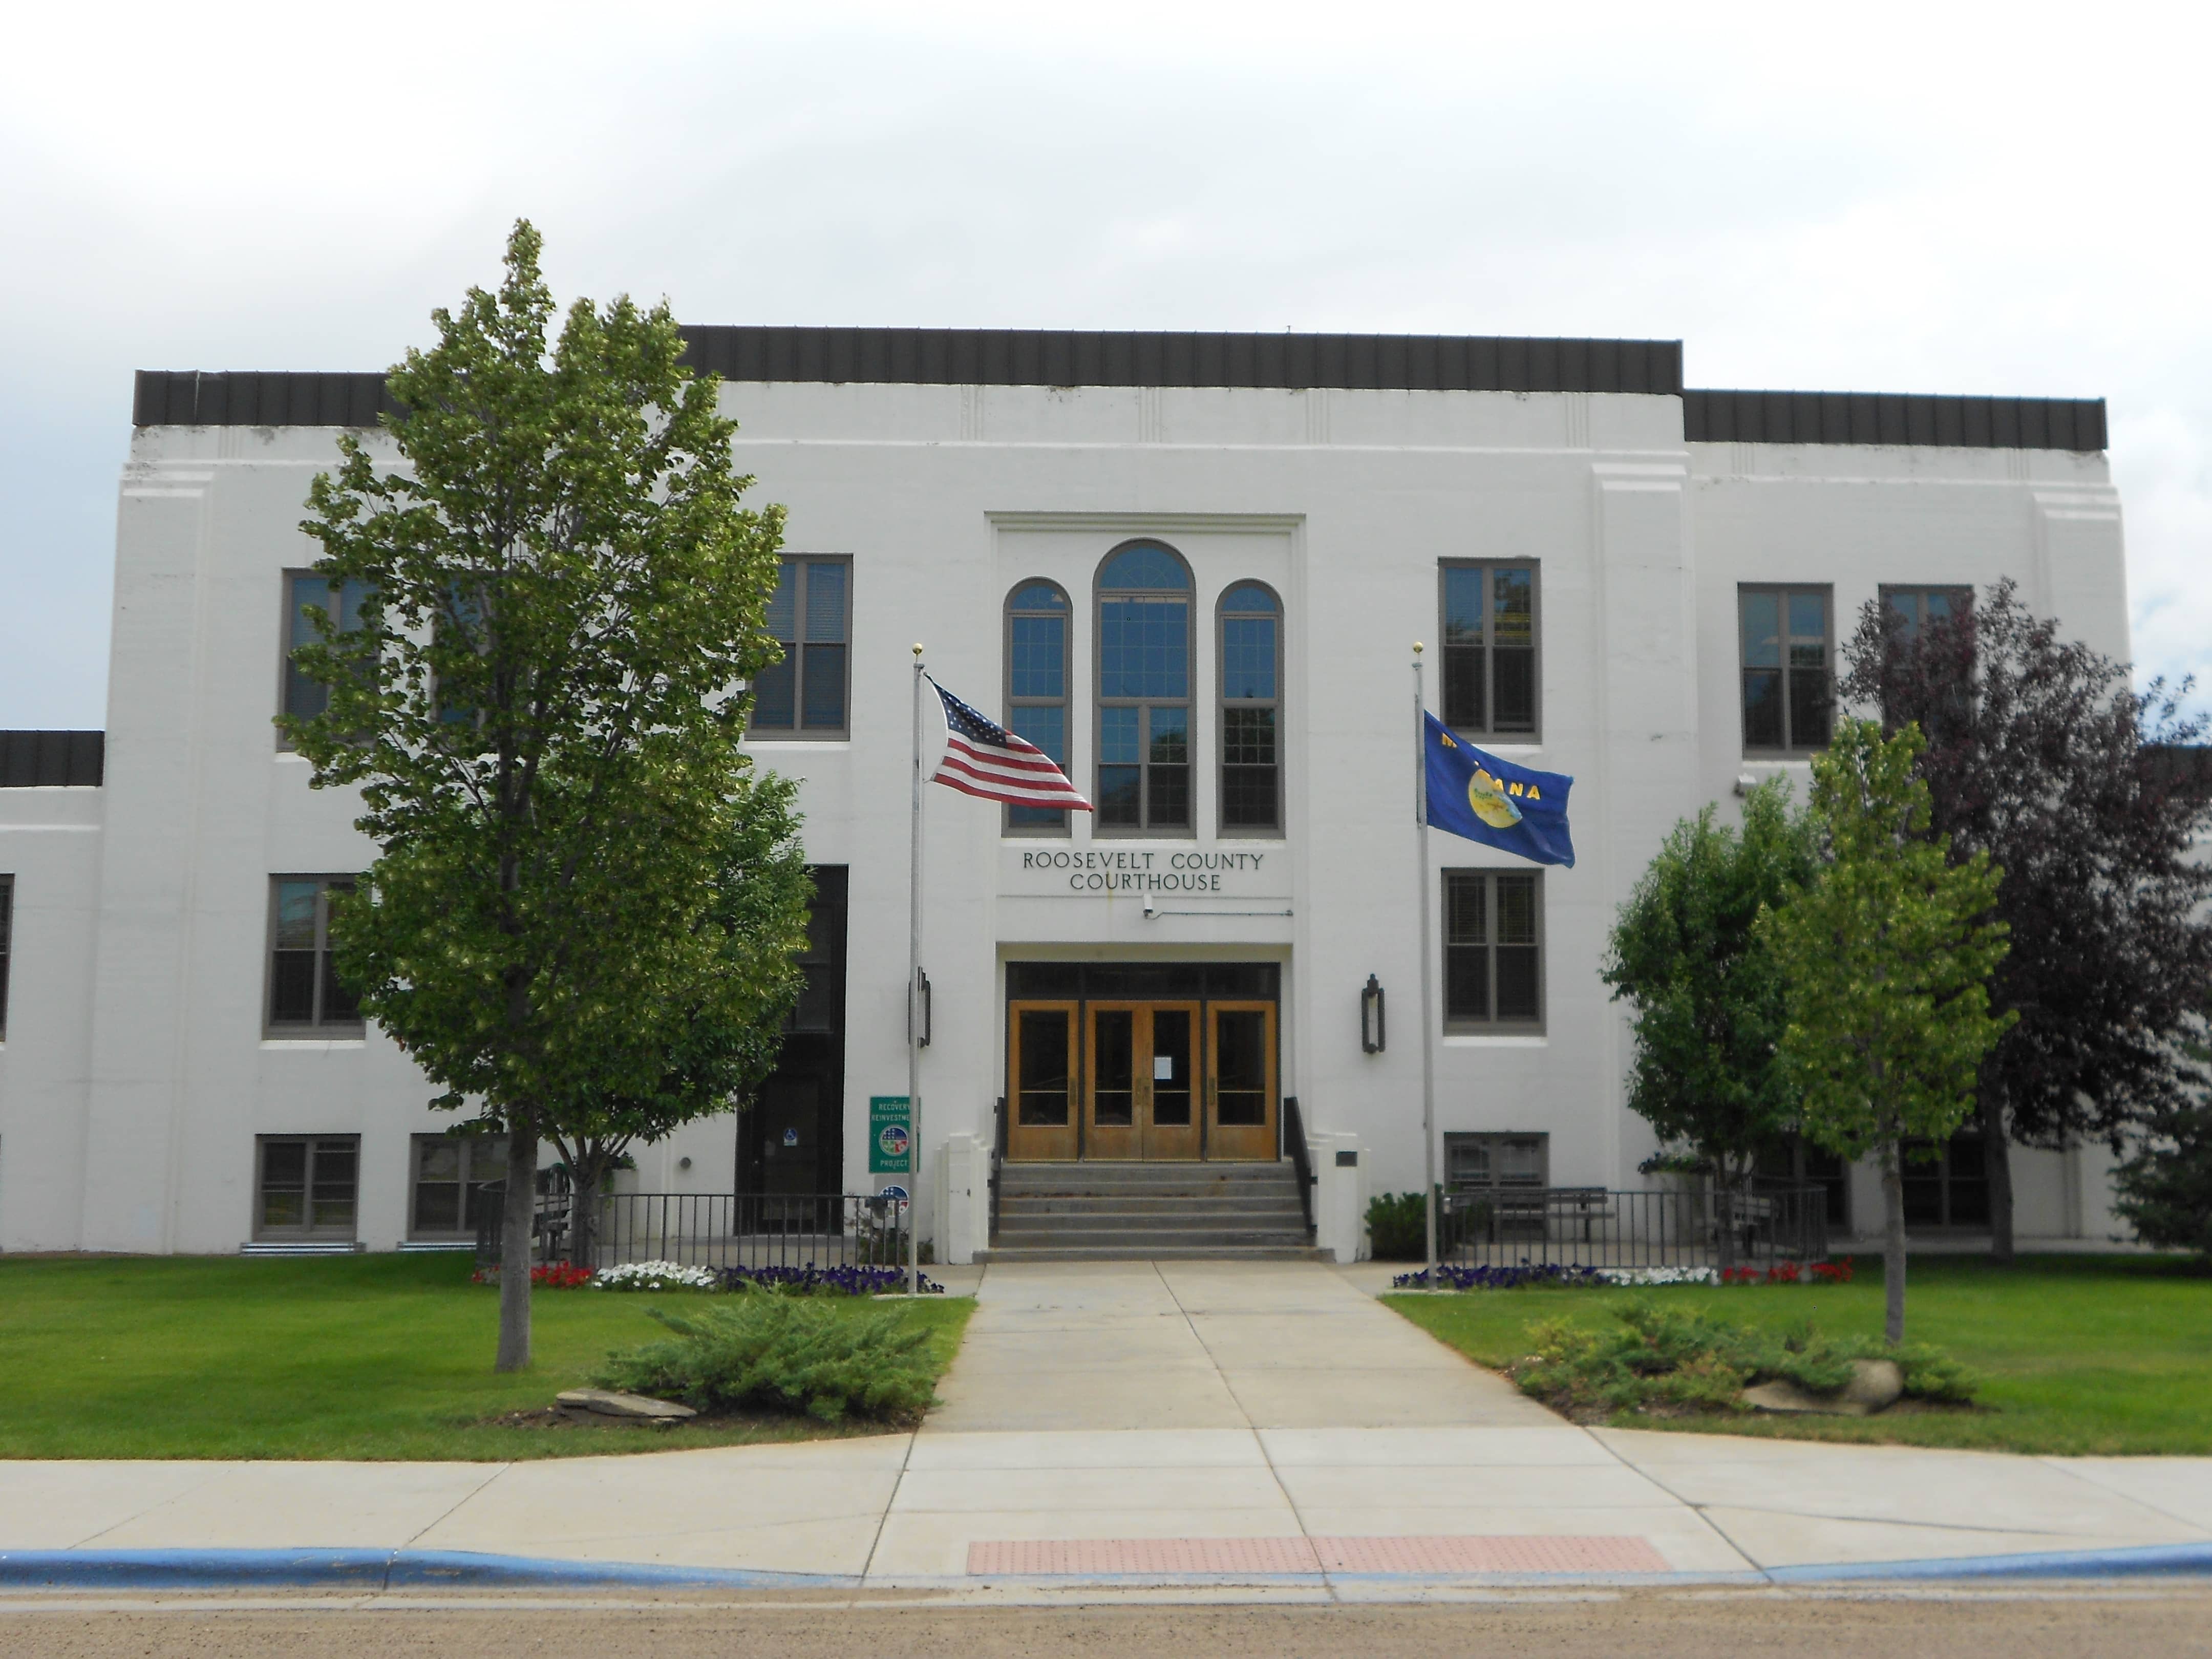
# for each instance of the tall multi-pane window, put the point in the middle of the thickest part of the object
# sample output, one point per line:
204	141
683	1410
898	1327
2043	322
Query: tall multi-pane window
304	997
804	695
1915	608
1038	618
1490	670
1144	689
1251	709
1493	941
457	1183
342	602
306	1186
7	945
1912	612
1788	697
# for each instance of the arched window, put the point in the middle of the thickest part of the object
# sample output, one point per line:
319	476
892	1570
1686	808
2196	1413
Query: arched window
1144	689
1251	709
1037	617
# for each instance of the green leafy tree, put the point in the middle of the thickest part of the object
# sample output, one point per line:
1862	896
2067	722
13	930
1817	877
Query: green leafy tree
755	921
1687	955
538	708
1886	961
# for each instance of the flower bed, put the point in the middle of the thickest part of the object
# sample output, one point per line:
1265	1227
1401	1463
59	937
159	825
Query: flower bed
811	1280
1450	1276
656	1276
551	1276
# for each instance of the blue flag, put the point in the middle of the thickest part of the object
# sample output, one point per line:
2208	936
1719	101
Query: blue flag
1495	802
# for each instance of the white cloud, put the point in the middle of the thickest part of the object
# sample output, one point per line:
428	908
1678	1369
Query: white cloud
1911	199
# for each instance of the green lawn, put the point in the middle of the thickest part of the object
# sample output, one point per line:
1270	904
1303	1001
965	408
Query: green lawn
2079	1354
352	1356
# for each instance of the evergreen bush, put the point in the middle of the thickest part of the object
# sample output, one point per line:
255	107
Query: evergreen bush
784	1353
1662	1358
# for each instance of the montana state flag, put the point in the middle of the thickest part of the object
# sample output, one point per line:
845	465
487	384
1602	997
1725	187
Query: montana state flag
1495	802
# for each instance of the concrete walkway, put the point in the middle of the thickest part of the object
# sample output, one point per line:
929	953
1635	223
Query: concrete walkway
1178	1420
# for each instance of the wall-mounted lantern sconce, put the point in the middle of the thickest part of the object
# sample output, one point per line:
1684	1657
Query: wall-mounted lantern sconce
918	1012
1370	1016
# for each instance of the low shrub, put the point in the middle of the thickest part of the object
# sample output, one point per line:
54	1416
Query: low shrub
811	1280
784	1353
1663	1360
1398	1227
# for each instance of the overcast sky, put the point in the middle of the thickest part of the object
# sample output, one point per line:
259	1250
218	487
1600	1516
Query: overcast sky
1900	199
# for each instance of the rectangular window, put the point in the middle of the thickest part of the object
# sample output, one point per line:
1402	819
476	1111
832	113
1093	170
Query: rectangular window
1489	1162
1788	693
304	997
7	945
457	1182
1947	1182
342	602
1490	669
1493	940
306	1186
804	695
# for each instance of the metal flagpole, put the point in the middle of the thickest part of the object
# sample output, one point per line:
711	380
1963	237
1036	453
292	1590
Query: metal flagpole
913	1010
1428	993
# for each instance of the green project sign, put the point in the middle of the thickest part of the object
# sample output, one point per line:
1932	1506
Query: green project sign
890	1135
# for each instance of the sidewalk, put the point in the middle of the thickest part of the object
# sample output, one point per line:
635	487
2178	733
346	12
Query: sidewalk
1176	1421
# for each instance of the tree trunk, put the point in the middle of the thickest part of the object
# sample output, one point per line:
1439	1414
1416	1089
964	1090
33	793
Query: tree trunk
1893	1244
517	1212
1997	1165
587	1169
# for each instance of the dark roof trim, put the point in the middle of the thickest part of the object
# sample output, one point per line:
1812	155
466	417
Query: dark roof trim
67	760
944	357
257	398
1006	356
1891	417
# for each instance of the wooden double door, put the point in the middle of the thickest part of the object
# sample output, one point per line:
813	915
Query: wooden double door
1136	1080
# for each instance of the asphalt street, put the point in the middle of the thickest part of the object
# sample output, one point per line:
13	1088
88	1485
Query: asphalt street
2049	1622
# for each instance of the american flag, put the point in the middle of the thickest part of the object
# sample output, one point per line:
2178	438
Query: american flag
981	758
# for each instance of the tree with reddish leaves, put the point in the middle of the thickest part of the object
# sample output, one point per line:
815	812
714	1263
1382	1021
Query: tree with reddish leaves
2043	756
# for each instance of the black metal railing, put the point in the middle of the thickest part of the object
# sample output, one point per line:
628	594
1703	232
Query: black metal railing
1294	1142
1594	1227
719	1229
998	1161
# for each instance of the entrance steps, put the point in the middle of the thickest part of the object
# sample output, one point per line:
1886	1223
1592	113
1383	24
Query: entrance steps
1095	1211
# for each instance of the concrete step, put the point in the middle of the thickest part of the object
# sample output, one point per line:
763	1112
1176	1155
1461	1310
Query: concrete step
1092	1171
1072	1239
1015	1203
1276	1219
1151	1252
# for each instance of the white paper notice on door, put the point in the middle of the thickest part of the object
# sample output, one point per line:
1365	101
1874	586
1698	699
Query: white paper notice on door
1163	1068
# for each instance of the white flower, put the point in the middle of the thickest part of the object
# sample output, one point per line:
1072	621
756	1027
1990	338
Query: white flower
656	1276
1659	1275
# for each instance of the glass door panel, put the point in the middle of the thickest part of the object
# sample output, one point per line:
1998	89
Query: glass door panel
1240	1080
1171	1126
1112	1127
1041	1077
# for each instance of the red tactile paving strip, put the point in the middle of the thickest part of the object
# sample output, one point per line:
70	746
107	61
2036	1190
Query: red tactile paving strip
1274	1555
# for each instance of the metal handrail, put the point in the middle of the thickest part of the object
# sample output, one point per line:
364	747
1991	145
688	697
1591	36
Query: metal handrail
998	1160
1294	1137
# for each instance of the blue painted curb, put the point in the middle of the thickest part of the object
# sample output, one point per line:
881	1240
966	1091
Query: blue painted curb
369	1570
376	1571
2141	1561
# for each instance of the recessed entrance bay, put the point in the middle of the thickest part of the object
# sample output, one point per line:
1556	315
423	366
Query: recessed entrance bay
1150	1061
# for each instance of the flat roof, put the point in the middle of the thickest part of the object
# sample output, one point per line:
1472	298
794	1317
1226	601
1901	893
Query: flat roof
1414	362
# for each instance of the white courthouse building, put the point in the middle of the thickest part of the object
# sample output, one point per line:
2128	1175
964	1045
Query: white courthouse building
1191	567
